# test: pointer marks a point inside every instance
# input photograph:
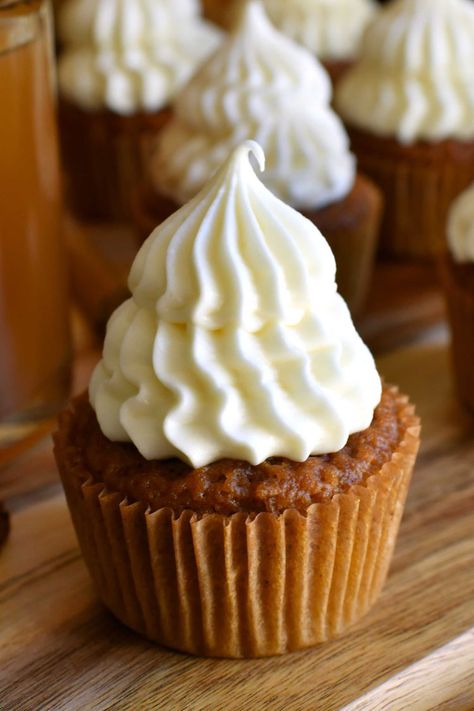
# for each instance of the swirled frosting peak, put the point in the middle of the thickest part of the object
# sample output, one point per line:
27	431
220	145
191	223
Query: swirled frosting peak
235	342
461	227
259	85
130	55
332	29
414	77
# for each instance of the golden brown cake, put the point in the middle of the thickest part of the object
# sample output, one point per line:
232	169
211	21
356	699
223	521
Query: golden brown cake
233	559
237	473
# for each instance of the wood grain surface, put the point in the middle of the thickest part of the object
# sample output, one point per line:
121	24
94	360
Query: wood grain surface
61	650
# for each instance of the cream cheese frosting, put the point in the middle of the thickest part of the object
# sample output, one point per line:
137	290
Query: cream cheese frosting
130	55
258	85
331	29
414	78
461	227
235	342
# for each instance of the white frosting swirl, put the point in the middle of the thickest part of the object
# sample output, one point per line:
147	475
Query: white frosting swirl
130	55
331	29
258	85
235	342
414	77
461	227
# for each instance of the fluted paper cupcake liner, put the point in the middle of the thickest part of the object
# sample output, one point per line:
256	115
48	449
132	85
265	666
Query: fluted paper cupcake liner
419	183
105	157
460	304
241	585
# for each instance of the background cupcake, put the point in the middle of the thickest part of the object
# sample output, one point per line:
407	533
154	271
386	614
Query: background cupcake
261	85
409	107
332	30
207	518
458	280
123	62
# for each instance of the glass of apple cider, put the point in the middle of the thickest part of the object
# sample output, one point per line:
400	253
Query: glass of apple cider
34	324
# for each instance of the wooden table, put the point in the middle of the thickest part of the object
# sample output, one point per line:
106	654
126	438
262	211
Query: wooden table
60	649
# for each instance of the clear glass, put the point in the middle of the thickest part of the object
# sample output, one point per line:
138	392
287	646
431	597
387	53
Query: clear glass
34	327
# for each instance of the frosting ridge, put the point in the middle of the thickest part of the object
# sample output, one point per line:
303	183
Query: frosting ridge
130	55
413	80
235	342
258	85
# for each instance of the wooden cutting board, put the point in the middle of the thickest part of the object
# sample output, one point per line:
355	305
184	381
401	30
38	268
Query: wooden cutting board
60	649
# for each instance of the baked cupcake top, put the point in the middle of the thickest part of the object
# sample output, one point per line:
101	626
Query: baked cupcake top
331	29
414	77
130	55
461	227
258	85
235	342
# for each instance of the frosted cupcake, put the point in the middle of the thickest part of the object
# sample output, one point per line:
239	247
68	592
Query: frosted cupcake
409	107
458	280
237	474
261	85
331	29
123	62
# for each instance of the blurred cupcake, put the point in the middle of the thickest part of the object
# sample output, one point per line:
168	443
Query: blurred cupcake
124	61
261	85
238	477
458	280
331	30
409	107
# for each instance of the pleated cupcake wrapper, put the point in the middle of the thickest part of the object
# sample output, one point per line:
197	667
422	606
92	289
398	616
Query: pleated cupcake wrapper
240	585
460	303
108	160
418	192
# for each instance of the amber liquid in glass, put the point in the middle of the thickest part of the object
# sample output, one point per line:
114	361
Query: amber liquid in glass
34	332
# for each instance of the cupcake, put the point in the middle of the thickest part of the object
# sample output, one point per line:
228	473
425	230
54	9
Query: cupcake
332	31
409	108
458	281
238	472
260	85
123	62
